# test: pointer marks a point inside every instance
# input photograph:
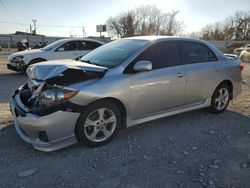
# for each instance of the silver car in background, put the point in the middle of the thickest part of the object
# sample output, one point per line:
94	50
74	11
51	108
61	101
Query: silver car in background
121	84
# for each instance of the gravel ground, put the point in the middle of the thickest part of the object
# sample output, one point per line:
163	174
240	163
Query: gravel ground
194	149
9	81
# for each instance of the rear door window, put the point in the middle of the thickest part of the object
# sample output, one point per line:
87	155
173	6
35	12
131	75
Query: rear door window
80	45
90	45
194	52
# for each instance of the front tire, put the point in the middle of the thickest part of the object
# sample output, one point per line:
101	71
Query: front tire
31	63
220	99
98	124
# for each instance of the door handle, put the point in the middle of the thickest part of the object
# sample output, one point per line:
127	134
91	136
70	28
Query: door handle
180	74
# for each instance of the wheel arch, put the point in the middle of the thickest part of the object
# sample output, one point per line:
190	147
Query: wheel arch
36	60
119	104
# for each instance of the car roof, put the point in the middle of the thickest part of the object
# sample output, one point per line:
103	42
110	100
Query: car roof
161	38
82	39
153	39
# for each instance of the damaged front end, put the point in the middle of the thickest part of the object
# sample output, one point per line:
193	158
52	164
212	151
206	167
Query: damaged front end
43	113
48	88
46	99
17	64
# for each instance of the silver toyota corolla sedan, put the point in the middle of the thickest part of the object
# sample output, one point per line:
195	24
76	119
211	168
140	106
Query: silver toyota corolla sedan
121	84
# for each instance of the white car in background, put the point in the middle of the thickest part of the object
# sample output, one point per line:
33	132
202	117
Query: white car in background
237	51
61	49
245	55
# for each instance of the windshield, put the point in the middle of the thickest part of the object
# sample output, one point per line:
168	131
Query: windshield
114	53
52	45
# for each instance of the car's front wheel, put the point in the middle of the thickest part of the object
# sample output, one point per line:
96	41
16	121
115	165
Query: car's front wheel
220	99
31	63
98	124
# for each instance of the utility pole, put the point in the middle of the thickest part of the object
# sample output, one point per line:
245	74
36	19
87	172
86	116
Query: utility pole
83	31
34	31
30	29
70	34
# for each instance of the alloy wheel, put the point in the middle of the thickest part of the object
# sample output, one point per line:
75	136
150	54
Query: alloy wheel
221	99
100	125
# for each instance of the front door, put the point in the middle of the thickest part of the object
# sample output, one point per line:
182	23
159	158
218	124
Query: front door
69	50
164	87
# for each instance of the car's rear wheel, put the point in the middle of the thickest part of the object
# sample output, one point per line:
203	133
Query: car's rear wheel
98	124
220	99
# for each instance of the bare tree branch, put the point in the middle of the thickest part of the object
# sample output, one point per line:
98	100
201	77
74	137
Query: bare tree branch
145	20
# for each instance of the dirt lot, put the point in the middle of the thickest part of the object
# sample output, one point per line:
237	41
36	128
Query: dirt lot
194	149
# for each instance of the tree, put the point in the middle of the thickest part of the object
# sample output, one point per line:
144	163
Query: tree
242	29
235	27
144	20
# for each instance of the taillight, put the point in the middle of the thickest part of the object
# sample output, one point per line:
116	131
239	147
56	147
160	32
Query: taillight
241	67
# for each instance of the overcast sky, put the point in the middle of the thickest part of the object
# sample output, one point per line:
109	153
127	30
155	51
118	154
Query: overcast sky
89	13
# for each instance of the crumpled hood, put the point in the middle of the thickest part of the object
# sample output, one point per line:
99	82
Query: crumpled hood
24	53
50	69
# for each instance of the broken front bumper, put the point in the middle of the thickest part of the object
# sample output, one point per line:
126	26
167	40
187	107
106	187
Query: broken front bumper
45	133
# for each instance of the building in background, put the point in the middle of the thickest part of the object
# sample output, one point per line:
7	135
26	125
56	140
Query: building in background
11	40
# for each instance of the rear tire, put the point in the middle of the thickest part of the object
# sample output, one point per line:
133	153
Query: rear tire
98	124
220	99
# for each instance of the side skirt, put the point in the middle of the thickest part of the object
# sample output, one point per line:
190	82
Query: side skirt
132	122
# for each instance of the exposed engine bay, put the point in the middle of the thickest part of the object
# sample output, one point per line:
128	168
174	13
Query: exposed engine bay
49	91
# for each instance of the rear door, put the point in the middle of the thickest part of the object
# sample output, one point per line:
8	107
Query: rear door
203	71
161	89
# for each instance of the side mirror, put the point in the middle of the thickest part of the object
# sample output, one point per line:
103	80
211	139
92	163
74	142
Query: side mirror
143	65
60	49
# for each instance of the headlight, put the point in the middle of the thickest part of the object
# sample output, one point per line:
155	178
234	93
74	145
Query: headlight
55	95
18	59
